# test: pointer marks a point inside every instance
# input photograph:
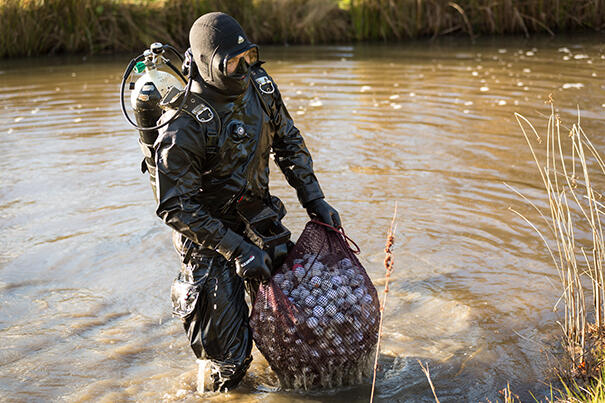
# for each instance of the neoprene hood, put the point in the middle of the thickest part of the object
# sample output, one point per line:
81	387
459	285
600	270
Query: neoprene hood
214	38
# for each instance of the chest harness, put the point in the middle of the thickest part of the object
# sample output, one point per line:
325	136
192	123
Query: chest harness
262	223
203	112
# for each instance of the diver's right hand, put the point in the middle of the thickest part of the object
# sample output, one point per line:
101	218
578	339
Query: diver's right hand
252	262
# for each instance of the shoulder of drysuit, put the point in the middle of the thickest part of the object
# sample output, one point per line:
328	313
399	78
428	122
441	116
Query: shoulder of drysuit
184	131
260	77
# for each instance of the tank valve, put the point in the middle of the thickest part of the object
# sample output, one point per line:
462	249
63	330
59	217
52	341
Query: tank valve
157	48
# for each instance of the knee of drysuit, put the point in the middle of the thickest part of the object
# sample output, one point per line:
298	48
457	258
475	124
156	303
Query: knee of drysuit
226	376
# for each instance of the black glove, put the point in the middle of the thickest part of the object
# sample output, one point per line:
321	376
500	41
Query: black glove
252	262
319	209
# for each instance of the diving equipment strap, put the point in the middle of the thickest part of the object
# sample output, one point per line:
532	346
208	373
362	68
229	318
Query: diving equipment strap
201	110
266	90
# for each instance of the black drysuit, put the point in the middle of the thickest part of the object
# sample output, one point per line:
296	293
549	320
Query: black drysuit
198	186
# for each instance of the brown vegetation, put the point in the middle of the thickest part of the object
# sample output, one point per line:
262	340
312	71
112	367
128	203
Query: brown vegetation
33	27
571	173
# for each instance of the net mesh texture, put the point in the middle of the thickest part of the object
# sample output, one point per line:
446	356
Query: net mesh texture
316	321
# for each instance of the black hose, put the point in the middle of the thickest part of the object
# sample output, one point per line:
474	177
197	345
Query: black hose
173	68
131	65
175	51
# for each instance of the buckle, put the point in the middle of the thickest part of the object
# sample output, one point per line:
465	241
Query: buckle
265	85
171	96
203	113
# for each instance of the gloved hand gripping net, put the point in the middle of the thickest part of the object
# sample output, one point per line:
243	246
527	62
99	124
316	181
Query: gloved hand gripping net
316	321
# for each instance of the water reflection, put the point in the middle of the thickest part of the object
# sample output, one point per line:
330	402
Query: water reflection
85	267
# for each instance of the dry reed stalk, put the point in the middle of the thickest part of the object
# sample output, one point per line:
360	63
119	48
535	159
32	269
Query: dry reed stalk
426	372
574	211
388	265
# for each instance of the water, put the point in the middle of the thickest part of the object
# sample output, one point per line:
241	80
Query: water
86	267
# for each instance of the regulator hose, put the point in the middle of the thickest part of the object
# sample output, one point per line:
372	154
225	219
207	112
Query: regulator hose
172	66
174	50
176	71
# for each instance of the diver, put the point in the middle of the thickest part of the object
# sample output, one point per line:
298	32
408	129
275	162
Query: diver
212	186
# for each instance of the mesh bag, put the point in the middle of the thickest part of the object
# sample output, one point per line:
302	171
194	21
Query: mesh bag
316	321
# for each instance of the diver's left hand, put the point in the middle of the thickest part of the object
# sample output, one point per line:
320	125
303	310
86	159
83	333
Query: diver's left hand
320	209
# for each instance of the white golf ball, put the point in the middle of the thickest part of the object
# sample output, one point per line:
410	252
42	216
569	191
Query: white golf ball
312	322
322	300
279	278
336	281
317	266
299	272
339	318
310	301
331	310
332	295
286	285
304	293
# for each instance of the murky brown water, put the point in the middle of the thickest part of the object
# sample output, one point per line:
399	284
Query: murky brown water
86	267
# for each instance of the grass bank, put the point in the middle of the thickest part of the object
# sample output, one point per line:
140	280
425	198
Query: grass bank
34	27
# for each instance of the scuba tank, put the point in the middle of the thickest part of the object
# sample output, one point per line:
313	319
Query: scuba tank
147	92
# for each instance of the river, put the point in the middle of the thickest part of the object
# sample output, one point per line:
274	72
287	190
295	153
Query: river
86	266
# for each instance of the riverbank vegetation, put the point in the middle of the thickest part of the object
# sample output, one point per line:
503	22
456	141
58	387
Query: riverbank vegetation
35	27
572	172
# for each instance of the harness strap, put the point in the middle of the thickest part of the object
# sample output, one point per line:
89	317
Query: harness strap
202	111
265	88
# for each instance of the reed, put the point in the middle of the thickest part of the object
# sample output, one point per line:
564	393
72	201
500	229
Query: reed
388	266
575	239
427	373
34	27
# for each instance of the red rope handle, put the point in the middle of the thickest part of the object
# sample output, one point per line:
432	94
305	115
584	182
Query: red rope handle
341	231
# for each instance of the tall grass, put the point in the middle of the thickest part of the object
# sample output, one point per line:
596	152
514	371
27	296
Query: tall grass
571	172
592	391
398	19
33	27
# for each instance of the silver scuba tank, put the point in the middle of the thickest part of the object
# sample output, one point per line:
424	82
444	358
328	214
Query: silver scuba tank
147	92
